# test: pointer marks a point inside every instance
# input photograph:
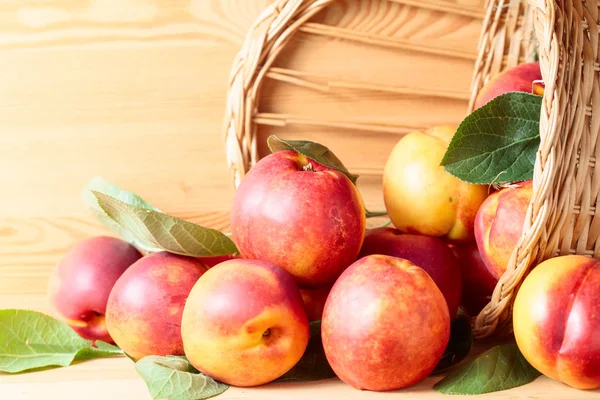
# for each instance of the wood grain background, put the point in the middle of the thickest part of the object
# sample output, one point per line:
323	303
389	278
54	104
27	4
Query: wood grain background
134	91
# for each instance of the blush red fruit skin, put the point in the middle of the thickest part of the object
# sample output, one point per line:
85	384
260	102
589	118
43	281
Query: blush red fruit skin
556	320
519	78
478	283
210	262
244	323
143	314
314	301
310	223
81	282
499	225
385	325
431	254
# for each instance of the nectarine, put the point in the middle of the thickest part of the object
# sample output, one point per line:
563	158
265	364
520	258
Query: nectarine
81	282
385	325
478	283
525	77
144	309
314	301
421	197
499	225
300	215
556	320
429	253
244	323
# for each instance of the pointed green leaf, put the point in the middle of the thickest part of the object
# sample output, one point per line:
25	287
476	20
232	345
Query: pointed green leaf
174	378
155	229
313	365
31	340
101	349
100	185
500	368
312	150
497	143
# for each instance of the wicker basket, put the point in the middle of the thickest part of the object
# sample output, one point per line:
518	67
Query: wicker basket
564	36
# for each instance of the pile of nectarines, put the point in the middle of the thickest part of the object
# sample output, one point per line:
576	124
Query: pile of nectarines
386	296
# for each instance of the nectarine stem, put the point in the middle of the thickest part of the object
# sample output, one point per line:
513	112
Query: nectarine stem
308	167
372	214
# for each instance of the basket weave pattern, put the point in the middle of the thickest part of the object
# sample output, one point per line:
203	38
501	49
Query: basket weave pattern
560	219
256	63
267	37
564	36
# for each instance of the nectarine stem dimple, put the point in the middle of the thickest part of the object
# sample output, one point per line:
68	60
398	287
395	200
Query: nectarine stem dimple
267	332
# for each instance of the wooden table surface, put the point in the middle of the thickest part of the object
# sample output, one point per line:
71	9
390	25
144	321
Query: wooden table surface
116	379
134	91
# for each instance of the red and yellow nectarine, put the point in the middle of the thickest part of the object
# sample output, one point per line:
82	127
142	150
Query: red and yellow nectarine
429	253
300	215
244	323
144	309
83	279
525	77
385	325
499	225
556	320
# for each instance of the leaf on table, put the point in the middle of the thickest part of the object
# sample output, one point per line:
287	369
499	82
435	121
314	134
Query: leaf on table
100	349
174	378
31	340
501	367
459	346
312	150
100	185
155	229
313	365
497	143
103	346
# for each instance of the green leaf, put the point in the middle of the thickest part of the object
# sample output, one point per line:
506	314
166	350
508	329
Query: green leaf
497	143
103	346
101	349
31	340
174	378
159	230
459	346
500	368
98	184
312	150
313	365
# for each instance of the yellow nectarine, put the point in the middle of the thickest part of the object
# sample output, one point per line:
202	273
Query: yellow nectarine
421	196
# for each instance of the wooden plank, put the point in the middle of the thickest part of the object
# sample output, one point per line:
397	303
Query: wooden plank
134	91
